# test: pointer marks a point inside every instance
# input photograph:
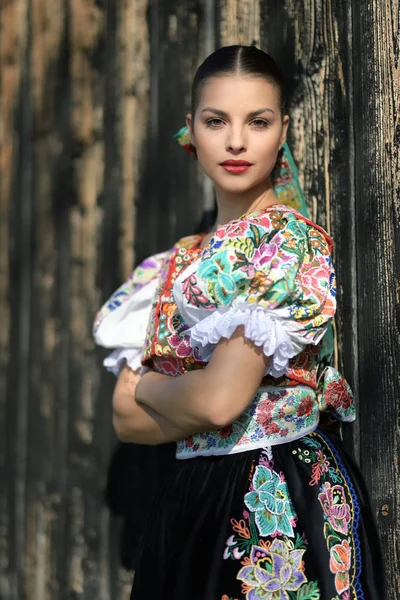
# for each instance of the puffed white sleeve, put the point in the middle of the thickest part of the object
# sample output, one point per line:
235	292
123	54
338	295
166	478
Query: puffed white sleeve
122	321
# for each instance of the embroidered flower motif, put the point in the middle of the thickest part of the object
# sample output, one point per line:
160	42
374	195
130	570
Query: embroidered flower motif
306	406
272	574
335	507
315	280
336	394
264	254
320	467
340	561
219	277
271	503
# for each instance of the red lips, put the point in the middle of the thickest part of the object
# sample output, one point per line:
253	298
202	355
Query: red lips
236	163
235	166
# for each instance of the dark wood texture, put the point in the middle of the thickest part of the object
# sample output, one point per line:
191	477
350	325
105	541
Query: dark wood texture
91	182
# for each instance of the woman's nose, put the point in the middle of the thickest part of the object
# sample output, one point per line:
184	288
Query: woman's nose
236	141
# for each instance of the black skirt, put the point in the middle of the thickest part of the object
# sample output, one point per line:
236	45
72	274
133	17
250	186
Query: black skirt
288	522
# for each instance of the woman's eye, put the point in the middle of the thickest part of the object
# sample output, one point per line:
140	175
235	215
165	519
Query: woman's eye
214	122
260	123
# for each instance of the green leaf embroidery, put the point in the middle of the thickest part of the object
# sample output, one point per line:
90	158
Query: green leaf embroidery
299	543
309	591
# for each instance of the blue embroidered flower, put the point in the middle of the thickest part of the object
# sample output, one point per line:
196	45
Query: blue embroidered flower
271	503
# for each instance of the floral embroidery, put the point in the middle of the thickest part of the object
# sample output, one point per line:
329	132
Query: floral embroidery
340	562
335	507
275	565
272	573
263	258
336	502
335	396
270	502
274	415
267	542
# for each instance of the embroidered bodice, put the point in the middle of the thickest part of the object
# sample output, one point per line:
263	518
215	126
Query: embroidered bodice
269	271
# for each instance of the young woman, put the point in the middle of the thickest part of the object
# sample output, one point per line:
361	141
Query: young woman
219	349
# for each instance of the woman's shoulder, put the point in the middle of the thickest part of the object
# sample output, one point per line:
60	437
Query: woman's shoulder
273	223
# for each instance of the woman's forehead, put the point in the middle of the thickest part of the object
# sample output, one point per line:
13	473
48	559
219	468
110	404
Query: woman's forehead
238	92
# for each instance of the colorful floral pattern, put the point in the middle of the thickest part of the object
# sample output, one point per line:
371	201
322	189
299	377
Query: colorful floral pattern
275	560
272	573
335	396
265	259
338	505
275	415
269	500
273	259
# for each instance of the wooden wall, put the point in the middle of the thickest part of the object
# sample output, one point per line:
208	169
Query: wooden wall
91	181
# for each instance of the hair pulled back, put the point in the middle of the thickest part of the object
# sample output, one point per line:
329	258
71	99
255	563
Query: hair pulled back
240	60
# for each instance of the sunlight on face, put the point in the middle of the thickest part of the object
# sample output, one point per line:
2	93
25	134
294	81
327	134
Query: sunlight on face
238	118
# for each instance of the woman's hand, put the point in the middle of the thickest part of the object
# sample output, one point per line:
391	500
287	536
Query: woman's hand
135	422
125	388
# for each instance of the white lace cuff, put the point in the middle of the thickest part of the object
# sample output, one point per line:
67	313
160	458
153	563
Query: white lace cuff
124	356
259	327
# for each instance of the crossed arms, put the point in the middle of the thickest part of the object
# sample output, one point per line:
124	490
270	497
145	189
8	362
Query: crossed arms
156	409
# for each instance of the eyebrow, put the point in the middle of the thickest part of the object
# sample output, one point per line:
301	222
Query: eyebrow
222	113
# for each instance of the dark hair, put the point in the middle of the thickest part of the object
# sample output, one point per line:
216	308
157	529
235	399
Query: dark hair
245	60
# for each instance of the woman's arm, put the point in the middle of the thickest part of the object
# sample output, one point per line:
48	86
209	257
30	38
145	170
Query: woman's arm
139	423
212	397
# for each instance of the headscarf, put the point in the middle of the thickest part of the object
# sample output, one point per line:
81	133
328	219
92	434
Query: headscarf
287	188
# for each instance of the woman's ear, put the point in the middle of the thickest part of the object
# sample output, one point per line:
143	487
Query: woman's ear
189	123
285	125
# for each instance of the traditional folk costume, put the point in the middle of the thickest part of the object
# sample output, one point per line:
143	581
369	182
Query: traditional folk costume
270	507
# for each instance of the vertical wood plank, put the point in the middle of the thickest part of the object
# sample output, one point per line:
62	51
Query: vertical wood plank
170	202
13	48
47	465
377	99
84	517
16	206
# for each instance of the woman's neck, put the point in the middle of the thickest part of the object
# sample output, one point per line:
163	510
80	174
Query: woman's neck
233	206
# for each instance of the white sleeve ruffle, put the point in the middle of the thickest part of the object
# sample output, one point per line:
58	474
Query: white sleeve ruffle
260	327
126	325
124	356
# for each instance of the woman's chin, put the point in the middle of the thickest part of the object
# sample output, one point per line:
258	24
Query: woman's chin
238	185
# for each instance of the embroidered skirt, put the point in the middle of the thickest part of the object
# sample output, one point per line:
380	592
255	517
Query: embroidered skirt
287	522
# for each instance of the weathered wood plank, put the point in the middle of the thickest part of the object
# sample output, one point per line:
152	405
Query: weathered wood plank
16	172
170	201
239	22
376	123
13	48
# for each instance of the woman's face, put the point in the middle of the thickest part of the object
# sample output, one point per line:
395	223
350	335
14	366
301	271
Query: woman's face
238	118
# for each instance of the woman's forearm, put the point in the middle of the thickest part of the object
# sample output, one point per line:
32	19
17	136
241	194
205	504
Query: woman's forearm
184	400
212	397
141	424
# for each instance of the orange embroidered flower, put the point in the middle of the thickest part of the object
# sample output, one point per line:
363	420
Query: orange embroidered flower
339	564
240	528
246	562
